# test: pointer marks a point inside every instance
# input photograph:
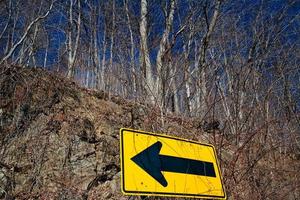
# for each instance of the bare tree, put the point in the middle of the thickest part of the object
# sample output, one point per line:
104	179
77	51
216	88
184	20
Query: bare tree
25	34
160	90
145	63
132	48
72	43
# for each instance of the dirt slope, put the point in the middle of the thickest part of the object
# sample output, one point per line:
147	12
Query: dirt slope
61	141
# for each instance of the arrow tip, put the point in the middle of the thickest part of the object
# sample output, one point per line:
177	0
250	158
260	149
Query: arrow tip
149	161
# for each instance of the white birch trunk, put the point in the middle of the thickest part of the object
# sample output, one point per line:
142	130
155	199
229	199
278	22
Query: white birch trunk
175	99
161	52
110	84
103	68
187	73
145	57
72	49
31	56
46	54
201	63
132	46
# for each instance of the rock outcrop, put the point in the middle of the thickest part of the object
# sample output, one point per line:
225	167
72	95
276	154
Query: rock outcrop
60	141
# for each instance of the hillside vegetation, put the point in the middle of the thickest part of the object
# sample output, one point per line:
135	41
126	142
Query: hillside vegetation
61	141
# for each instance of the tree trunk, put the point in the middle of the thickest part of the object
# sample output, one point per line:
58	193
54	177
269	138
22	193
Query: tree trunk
72	49
145	63
161	72
111	78
201	60
132	46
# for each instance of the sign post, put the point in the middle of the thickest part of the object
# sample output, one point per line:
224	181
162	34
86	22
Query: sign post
161	165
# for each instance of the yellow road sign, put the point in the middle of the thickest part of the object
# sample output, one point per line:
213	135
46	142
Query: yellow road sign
160	165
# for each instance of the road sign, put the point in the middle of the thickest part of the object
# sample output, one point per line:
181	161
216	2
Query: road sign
161	165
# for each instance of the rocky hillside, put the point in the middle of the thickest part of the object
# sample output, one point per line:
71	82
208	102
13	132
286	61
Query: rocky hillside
61	141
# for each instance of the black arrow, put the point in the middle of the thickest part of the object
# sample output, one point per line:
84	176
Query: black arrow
153	163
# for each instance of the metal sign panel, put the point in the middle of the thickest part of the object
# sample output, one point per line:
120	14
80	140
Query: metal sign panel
161	165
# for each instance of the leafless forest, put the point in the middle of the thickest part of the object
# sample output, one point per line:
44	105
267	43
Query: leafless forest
233	65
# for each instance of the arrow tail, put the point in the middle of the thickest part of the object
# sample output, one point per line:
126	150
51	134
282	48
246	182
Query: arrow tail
187	166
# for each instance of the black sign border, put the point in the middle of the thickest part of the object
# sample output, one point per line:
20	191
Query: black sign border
164	193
